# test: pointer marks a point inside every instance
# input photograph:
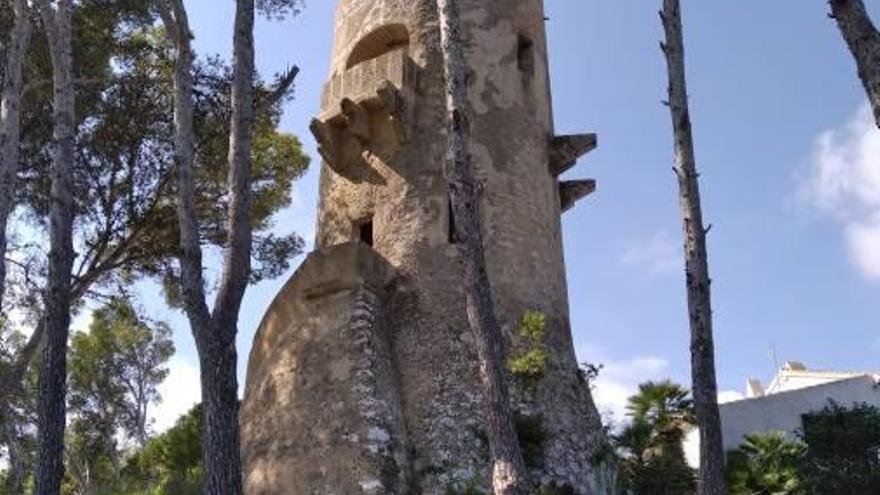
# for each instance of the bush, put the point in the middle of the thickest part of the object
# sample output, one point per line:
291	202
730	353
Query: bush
843	450
767	464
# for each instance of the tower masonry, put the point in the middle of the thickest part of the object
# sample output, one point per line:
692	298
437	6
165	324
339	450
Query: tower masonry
364	378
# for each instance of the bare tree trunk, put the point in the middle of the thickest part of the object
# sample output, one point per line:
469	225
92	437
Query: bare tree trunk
17	468
509	476
711	480
863	41
10	122
218	362
215	332
53	375
237	267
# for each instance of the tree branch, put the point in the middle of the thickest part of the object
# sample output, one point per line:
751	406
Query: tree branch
192	281
237	266
282	87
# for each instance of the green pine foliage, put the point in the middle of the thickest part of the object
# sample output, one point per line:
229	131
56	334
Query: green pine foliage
170	464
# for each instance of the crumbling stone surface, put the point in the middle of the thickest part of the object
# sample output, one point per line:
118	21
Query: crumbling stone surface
363	376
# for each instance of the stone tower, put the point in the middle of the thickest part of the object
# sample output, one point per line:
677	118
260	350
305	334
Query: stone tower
363	378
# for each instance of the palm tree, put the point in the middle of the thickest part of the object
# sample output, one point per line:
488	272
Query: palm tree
653	460
766	464
666	406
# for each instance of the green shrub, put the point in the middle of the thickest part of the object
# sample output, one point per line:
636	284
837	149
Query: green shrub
531	362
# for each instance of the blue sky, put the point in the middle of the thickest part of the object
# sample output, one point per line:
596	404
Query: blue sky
790	169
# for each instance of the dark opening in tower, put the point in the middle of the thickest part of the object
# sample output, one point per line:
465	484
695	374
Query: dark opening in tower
525	55
365	231
453	236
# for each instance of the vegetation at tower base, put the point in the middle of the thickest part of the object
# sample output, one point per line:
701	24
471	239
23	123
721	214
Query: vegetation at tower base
766	464
650	449
863	41
711	480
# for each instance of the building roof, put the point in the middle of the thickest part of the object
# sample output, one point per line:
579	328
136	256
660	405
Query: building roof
794	375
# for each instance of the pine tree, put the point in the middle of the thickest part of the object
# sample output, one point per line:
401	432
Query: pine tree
705	387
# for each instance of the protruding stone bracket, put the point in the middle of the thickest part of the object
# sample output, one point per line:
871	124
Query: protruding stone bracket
565	151
572	191
357	119
347	136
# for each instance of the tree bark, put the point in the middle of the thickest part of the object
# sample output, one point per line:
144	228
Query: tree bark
711	480
218	362
17	468
509	476
53	375
10	121
215	332
237	267
863	41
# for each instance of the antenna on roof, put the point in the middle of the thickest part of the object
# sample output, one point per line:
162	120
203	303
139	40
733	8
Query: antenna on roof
775	360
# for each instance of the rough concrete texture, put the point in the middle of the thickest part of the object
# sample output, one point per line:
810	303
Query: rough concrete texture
363	377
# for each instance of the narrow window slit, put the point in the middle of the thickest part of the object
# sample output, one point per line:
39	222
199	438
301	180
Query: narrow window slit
451	228
365	231
525	55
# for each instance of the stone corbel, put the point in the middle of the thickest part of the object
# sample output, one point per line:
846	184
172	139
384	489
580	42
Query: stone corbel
565	151
391	99
357	120
572	191
340	148
346	137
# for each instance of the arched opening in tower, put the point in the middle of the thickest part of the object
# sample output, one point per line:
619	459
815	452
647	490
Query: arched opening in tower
383	40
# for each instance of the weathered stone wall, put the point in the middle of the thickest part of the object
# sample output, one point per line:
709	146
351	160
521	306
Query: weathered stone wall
321	412
384	162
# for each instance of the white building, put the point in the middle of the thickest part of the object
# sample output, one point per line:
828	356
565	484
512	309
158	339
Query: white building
778	407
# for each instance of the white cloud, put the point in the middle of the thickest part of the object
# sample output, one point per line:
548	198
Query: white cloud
181	391
844	181
863	239
619	380
660	254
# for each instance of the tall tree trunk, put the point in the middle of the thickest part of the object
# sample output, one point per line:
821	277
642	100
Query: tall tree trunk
509	476
53	375
696	261
17	468
10	122
237	266
215	331
863	41
218	361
